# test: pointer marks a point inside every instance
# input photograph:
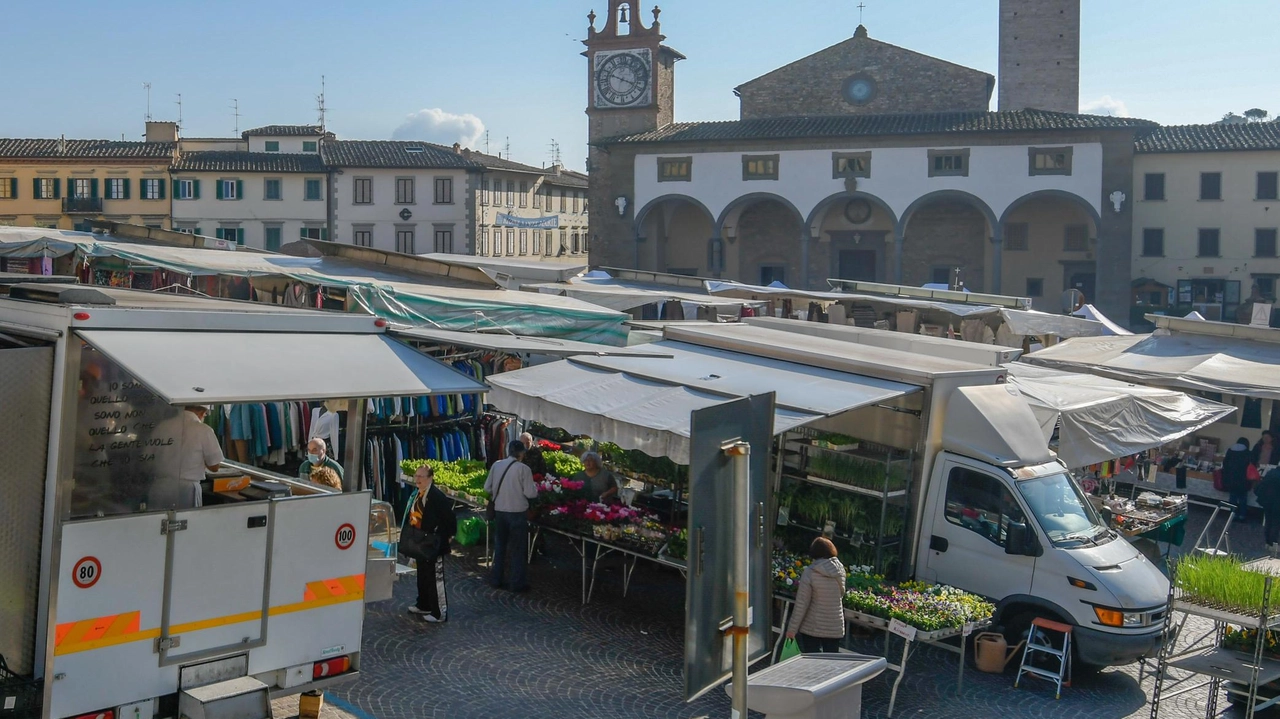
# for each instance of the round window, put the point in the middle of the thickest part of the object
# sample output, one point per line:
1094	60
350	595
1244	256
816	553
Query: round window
859	89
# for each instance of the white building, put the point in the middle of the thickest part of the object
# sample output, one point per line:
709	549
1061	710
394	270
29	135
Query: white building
265	190
529	212
410	197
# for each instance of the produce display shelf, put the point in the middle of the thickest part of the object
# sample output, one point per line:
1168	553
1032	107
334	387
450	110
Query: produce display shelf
1229	665
824	482
1222	615
936	635
855	540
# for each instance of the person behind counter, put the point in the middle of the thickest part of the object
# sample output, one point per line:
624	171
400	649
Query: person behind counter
200	452
1266	451
598	481
326	477
318	456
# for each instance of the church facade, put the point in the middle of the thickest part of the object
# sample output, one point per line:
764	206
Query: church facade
867	161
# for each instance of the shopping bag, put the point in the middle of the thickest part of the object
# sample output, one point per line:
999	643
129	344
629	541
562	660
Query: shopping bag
789	649
470	531
1252	474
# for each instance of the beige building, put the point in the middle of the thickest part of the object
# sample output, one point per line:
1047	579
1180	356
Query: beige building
1206	217
63	183
532	213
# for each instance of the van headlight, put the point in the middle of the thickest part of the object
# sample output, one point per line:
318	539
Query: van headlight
1118	618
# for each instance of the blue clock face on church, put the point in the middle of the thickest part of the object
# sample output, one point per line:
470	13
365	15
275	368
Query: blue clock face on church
859	89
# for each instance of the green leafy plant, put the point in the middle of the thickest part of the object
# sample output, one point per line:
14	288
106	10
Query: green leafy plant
855	471
1220	582
562	464
465	476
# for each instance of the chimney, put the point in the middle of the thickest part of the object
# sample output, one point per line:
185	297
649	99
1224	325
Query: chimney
62	145
466	152
457	149
162	131
555	169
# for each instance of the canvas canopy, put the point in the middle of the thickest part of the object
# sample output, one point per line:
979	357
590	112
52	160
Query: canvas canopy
645	403
1100	419
1207	363
402	297
1089	312
275	366
503	342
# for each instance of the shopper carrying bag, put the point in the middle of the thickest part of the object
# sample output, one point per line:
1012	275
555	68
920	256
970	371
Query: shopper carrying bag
509	506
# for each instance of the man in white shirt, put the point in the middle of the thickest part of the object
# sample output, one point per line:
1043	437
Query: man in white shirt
511	485
200	452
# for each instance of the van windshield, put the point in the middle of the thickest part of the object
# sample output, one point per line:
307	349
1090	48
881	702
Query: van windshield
1062	510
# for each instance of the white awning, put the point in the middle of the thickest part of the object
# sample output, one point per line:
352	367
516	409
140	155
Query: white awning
502	342
1101	419
622	295
645	403
1207	363
229	367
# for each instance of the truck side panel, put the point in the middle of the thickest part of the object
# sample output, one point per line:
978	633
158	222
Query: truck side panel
110	599
26	386
317	585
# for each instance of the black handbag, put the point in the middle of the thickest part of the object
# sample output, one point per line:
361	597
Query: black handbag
417	544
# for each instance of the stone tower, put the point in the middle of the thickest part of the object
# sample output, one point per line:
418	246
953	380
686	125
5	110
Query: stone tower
1040	55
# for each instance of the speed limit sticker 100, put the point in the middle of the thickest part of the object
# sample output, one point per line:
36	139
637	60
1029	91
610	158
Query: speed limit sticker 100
86	572
345	536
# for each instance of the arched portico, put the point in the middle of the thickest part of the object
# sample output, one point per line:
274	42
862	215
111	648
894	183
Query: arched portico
760	227
676	232
855	236
952	229
1048	245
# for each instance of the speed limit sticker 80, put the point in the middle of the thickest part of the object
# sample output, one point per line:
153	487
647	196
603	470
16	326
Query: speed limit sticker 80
345	536
86	572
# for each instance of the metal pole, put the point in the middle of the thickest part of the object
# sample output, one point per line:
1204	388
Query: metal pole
741	453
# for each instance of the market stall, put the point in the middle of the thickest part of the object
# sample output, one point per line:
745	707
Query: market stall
648	300
1234	365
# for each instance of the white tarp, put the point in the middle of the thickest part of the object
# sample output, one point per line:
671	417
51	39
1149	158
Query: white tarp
644	403
1032	322
1089	312
504	342
1101	419
1230	365
273	366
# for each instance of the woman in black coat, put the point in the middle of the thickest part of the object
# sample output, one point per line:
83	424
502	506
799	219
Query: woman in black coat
1235	476
1268	491
1266	451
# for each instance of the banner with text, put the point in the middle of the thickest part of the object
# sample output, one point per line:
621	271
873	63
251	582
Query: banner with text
529	223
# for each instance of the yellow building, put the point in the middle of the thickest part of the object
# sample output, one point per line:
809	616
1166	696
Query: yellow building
63	183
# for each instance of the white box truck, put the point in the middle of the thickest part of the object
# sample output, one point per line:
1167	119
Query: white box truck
124	610
990	509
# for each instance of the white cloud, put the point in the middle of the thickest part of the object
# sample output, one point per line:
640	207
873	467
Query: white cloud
1105	105
435	125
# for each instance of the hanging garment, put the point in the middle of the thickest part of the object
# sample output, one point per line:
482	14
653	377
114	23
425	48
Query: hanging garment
295	295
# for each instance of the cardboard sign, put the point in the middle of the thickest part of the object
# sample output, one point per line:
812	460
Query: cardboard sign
906	631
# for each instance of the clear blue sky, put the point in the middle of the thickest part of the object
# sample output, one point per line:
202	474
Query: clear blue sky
76	67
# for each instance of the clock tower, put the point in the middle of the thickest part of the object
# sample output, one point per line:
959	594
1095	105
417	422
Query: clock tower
631	74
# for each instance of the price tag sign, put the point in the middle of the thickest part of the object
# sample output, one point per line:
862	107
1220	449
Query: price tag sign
968	628
906	631
784	516
829	529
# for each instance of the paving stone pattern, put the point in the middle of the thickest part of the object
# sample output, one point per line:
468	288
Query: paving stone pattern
543	654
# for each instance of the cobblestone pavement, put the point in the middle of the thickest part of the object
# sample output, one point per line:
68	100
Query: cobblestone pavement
543	654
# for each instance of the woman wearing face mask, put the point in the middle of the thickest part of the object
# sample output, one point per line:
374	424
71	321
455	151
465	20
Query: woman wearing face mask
317	457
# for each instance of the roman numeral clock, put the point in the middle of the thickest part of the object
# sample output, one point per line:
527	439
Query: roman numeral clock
623	78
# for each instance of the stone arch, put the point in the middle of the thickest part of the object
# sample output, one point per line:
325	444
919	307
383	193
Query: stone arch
933	254
1053	194
825	204
977	202
766	224
642	214
675	232
749	199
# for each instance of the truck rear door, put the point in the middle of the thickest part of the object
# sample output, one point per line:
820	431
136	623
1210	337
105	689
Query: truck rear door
971	518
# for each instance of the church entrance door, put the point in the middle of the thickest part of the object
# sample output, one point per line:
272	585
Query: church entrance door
858	265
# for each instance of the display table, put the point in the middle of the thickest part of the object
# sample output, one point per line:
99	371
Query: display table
910	635
596	550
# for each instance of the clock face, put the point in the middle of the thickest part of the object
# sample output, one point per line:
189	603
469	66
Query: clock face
859	89
622	79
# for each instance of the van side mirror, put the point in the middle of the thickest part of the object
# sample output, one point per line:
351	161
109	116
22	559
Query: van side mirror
1020	540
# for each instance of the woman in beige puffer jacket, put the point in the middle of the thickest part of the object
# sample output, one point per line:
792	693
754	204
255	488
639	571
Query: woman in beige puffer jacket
817	622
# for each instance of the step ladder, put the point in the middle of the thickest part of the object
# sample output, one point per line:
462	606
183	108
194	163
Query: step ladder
1222	546
1039	642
